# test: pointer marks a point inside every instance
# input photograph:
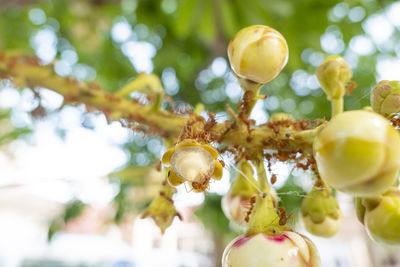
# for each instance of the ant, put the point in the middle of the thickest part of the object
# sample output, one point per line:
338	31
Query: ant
273	179
350	88
202	184
252	202
283	218
222	163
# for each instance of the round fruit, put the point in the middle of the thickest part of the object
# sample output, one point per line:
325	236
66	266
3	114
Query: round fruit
287	250
358	152
383	221
258	53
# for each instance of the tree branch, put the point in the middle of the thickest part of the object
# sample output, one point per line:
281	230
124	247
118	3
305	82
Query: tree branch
26	70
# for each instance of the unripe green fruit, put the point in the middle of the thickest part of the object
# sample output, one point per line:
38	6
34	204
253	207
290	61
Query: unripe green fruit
333	75
385	97
320	213
258	53
287	250
383	221
358	152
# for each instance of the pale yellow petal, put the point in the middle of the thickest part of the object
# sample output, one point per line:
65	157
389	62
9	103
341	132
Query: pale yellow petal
166	158
217	170
174	179
210	149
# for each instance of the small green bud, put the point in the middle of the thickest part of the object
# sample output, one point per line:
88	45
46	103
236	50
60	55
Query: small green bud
382	220
236	204
385	97
333	75
258	53
321	214
162	209
358	152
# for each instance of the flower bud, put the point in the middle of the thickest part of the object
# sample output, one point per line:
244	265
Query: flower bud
192	162
258	53
287	250
236	208
358	152
236	204
385	97
162	209
382	220
321	214
333	75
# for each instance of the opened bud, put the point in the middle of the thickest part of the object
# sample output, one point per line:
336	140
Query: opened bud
320	213
382	219
258	53
289	249
333	75
193	162
385	97
358	152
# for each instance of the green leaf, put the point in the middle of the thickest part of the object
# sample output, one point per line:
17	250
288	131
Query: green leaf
187	15
207	28
212	216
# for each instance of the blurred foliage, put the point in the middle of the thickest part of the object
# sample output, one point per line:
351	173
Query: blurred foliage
291	196
189	34
72	210
8	131
213	218
106	40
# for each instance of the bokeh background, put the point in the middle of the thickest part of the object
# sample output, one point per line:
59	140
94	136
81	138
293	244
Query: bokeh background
73	185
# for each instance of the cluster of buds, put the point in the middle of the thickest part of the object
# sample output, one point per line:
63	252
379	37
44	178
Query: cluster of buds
257	55
356	152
